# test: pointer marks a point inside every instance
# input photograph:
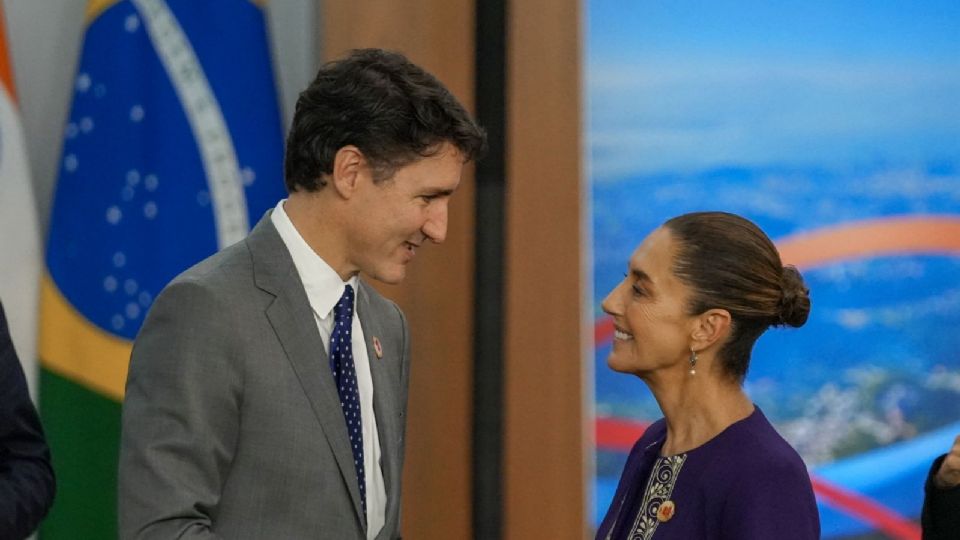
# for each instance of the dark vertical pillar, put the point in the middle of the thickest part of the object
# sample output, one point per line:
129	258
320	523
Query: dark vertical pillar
489	268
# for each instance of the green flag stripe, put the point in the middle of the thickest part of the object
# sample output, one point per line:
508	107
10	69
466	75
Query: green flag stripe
83	431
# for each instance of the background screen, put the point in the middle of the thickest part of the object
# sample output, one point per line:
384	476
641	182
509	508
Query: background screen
835	126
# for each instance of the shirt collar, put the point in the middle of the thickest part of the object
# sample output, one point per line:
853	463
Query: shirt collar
320	281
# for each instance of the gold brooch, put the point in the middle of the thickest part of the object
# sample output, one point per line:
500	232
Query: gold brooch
377	348
666	511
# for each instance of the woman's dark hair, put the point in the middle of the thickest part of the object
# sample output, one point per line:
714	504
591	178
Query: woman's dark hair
392	110
729	263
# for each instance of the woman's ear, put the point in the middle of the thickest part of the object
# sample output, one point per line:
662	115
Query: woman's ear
711	326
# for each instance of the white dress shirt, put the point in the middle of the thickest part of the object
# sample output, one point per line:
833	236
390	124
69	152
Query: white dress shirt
324	289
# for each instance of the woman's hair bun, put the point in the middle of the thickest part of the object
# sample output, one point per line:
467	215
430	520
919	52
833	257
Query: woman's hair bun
794	299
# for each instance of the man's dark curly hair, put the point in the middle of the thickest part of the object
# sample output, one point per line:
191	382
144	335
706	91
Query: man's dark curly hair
380	102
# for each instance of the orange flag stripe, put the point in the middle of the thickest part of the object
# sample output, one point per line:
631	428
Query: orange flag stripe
6	68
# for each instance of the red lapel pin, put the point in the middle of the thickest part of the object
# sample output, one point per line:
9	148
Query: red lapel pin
377	347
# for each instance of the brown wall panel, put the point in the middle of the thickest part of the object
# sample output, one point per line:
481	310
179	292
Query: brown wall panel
437	295
544	428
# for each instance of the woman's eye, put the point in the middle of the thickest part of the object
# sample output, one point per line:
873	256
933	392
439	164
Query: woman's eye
636	288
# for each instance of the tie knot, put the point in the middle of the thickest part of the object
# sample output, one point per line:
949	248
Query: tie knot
343	311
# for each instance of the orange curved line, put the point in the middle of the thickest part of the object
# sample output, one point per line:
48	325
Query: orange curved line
871	238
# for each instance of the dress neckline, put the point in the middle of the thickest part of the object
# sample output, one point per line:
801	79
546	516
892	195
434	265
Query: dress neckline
657	445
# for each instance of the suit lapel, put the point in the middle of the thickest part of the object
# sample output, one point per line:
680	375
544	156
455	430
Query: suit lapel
292	319
386	381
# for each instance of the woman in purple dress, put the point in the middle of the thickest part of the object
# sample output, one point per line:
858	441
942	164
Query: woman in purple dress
698	293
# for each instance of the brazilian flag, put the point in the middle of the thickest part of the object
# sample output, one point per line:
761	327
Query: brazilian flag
172	149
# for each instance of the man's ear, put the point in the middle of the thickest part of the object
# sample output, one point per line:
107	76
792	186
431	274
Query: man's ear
349	164
711	326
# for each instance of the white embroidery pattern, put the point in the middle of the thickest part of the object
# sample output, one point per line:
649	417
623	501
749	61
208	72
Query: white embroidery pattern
659	488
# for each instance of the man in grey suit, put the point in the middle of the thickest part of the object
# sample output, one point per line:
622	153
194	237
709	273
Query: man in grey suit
267	389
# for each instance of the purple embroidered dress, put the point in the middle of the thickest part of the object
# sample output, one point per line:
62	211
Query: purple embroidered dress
746	483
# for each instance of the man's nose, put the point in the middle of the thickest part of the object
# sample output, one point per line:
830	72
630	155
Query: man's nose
435	228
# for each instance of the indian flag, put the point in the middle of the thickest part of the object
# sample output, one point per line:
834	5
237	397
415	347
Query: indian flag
172	148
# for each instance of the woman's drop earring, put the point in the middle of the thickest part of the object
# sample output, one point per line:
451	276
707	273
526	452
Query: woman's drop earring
693	362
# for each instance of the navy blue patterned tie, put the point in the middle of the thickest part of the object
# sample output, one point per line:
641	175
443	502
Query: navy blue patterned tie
345	375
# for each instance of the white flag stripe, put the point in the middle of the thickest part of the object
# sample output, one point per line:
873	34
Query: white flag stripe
206	120
20	255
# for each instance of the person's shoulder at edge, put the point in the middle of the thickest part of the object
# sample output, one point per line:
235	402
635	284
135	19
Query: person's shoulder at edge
940	517
930	485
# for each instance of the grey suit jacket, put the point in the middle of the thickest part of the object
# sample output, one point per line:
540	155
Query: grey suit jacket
232	427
